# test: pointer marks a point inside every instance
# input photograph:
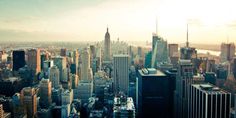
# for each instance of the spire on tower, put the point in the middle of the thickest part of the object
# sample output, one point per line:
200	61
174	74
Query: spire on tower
156	26
187	43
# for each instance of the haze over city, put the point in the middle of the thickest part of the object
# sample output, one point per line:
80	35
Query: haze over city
210	21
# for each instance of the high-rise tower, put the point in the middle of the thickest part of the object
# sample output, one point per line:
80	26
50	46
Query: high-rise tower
121	73
34	60
45	93
107	47
85	66
18	59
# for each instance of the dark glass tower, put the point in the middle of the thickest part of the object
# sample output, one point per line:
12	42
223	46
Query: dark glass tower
18	59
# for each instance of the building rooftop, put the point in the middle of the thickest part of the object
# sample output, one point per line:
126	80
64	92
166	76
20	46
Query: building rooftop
185	62
209	88
120	55
151	72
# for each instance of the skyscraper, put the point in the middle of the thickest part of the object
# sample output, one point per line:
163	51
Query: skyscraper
227	52
45	93
173	50
154	94
159	50
107	47
140	52
63	52
208	101
187	52
183	81
29	100
54	76
60	62
85	66
34	60
18	59
121	73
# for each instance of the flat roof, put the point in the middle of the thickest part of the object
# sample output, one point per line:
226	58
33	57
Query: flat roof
120	55
209	88
157	73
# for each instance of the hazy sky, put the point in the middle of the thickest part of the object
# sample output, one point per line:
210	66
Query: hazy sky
210	21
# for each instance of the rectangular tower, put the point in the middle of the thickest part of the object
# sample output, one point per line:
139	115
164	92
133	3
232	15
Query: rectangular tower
121	73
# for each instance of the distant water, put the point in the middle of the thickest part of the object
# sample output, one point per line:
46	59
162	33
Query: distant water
216	53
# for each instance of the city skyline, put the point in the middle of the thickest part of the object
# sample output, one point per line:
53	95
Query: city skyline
211	22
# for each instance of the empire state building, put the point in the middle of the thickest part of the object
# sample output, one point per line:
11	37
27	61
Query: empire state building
107	47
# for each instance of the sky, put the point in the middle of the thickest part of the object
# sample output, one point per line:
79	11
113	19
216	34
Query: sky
210	21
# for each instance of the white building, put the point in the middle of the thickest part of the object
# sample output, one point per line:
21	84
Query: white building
85	66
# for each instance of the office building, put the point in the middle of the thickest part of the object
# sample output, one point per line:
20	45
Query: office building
18	59
140	52
85	66
60	62
159	50
107	47
74	81
34	60
29	100
209	101
63	52
173	49
227	52
148	60
121	73
84	91
183	81
17	106
45	93
54	76
154	91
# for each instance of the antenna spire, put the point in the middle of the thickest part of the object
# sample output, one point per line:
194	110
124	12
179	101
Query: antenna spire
187	43
156	26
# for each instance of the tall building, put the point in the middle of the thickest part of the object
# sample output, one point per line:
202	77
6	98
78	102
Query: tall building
107	47
183	81
85	66
159	50
34	60
45	93
148	60
123	107
29	100
173	49
187	52
209	101
43	57
74	81
60	62
154	94
84	91
17	106
227	52
54	77
140	53
18	59
121	73
63	52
